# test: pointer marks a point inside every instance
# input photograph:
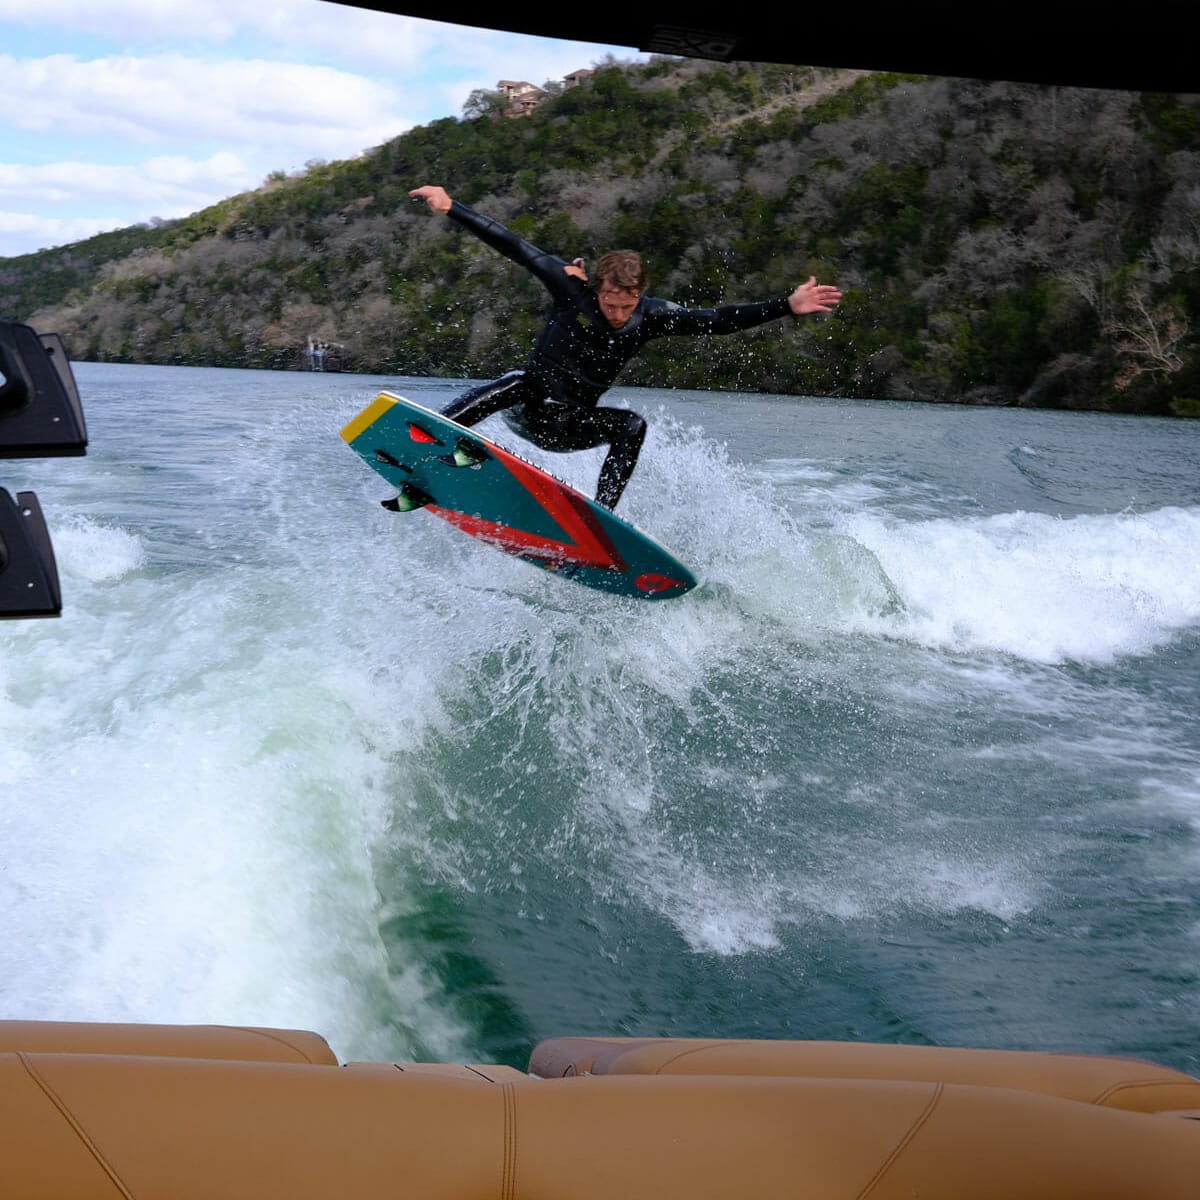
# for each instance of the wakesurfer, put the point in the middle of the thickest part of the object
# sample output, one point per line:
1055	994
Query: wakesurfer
596	325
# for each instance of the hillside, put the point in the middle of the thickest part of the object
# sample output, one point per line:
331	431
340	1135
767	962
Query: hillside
999	243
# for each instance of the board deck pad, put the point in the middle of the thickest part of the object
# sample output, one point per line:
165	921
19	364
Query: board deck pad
508	502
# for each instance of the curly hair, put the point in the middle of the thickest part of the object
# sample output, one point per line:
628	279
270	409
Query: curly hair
620	269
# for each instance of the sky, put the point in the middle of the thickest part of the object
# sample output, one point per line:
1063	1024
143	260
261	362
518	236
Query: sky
117	112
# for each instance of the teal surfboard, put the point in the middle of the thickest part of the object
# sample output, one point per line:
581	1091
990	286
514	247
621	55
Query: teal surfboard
450	471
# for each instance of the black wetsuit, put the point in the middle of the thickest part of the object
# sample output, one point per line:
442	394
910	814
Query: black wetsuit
553	401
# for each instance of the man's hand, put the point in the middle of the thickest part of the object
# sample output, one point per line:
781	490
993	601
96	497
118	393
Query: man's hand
813	297
435	197
576	268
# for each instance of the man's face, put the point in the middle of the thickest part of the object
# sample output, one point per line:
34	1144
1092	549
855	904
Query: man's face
617	304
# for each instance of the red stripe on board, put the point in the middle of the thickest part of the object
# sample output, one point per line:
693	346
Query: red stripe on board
653	584
570	512
585	544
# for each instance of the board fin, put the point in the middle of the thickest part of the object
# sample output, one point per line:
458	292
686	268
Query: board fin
409	499
466	453
384	457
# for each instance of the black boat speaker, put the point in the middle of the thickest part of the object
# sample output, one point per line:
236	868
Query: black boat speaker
40	417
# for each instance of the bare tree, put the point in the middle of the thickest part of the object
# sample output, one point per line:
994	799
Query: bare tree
1088	282
1147	336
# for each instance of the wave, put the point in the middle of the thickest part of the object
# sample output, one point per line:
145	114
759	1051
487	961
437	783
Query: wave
290	759
1087	589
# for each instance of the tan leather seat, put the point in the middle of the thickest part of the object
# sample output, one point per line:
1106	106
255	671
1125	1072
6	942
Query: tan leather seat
1126	1083
179	1041
140	1126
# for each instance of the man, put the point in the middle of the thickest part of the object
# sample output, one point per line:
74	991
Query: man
595	327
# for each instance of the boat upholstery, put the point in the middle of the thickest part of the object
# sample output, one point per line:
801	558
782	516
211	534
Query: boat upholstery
236	1042
128	1125
1113	1082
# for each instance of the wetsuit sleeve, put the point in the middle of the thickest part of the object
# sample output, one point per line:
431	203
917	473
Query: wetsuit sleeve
664	319
546	267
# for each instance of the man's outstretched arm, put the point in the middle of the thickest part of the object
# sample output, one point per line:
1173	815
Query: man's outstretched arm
810	297
549	268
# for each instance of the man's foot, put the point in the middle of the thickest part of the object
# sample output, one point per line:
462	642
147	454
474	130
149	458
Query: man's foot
410	498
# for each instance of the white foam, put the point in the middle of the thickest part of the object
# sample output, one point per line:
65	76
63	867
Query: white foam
1085	589
194	780
91	551
1174	791
203	762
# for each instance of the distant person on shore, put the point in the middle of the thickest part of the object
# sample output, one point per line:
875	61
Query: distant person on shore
595	327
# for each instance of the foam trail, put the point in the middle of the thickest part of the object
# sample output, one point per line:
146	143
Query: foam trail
290	759
658	707
195	774
1085	589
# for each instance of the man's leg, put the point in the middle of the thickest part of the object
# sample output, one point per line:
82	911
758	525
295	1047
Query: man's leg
622	457
471	407
564	427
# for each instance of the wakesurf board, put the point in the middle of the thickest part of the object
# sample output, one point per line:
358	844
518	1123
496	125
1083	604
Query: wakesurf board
496	496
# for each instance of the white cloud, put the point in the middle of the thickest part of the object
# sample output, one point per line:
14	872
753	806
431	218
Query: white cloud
300	28
22	233
141	108
369	41
41	204
131	20
169	179
173	98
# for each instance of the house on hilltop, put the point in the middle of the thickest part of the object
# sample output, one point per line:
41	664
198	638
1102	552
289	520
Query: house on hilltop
522	97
